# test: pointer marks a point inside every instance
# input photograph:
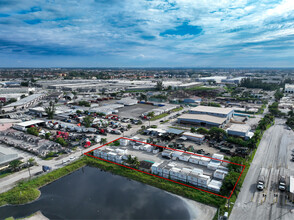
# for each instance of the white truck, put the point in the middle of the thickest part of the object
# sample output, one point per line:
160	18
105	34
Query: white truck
282	180
261	179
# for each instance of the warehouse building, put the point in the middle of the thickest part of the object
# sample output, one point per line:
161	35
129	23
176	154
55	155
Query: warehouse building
202	120
213	111
207	116
239	130
127	101
289	88
25	102
24	125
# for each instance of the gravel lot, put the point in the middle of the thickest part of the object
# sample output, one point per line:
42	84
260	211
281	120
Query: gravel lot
135	111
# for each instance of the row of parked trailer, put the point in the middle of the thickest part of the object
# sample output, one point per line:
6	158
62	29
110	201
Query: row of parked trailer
166	169
193	176
213	163
117	155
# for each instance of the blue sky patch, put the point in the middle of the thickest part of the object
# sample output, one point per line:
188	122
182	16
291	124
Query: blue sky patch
184	29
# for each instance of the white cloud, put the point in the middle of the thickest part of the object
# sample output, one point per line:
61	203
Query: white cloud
119	27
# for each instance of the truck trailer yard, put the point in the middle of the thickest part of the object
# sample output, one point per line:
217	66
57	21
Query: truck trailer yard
195	170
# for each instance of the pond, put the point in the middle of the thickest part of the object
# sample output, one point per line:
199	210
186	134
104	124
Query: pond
90	193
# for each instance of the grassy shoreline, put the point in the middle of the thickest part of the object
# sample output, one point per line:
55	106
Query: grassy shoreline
28	191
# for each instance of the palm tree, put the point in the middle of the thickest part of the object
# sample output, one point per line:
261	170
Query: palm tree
14	165
136	162
133	161
30	162
103	141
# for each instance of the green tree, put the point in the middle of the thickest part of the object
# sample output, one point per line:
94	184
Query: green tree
193	130
234	167
229	183
278	95
14	165
129	126
202	131
33	131
47	135
87	121
133	161
61	141
143	97
103	141
217	133
30	163
50	110
151	114
159	85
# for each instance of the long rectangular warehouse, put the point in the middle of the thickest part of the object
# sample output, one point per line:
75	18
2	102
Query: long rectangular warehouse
203	120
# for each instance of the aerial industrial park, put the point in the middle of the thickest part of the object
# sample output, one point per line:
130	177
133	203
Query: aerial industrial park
149	109
213	135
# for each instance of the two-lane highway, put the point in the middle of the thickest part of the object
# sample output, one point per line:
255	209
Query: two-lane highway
274	153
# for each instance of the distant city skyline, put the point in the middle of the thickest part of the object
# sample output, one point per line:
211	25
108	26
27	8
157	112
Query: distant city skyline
147	33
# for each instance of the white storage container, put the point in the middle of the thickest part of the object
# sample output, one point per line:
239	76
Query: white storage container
192	178
175	171
204	161
212	166
220	174
124	142
194	159
218	156
136	147
197	171
97	153
215	185
156	151
165	175
203	180
177	154
184	157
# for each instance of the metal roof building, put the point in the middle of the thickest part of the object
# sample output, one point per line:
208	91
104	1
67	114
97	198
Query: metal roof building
203	120
23	125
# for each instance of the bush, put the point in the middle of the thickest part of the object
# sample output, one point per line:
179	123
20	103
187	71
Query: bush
84	103
33	131
202	131
61	141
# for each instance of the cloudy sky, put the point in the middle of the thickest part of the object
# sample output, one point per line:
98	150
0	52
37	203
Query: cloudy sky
146	33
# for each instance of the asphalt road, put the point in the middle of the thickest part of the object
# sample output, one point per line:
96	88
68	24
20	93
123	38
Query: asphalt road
274	153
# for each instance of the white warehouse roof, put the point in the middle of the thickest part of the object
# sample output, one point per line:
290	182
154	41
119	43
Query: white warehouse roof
239	128
29	123
201	117
210	109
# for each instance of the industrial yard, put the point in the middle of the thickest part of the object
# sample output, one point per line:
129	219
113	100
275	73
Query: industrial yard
196	170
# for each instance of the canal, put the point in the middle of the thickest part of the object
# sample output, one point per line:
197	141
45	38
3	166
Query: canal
90	193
